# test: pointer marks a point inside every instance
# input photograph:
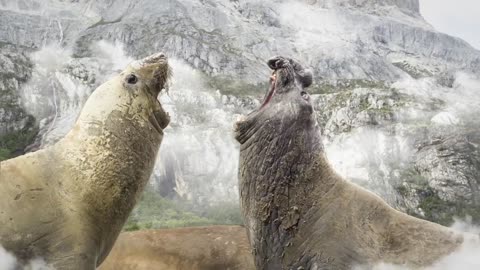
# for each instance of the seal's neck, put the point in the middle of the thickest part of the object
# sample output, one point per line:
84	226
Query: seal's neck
112	162
280	168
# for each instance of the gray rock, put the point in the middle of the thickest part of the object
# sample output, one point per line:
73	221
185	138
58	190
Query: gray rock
15	69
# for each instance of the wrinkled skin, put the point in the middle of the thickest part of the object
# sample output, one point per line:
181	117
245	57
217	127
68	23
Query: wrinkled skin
197	248
68	203
299	213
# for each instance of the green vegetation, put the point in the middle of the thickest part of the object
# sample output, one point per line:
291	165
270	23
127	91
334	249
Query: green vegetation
341	99
402	190
13	144
4	154
384	111
439	211
154	211
413	177
434	208
345	85
14	141
103	22
228	86
413	71
443	212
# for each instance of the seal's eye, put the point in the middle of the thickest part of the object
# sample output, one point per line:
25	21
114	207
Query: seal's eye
304	95
132	79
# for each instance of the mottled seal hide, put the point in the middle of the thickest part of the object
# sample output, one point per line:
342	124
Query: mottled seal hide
299	213
198	248
68	203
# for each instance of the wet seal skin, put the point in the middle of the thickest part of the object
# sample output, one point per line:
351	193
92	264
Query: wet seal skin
67	203
299	213
196	248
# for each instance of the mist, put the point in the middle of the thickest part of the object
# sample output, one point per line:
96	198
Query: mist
465	258
198	154
9	262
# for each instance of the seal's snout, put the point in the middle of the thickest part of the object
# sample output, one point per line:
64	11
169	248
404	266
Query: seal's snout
155	58
155	71
291	70
277	62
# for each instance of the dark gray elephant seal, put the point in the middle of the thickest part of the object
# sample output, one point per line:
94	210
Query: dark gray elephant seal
299	213
68	203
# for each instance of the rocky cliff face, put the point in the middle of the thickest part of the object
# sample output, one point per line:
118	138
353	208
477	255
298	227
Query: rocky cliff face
408	6
15	70
396	98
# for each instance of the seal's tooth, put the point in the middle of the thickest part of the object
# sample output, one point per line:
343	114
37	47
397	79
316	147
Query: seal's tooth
273	77
241	118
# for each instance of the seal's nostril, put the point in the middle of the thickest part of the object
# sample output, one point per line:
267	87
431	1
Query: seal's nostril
162	56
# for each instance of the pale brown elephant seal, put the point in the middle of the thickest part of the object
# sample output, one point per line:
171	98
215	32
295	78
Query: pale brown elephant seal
68	203
299	213
196	248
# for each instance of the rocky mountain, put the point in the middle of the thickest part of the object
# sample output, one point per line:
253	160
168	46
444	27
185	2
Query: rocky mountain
397	100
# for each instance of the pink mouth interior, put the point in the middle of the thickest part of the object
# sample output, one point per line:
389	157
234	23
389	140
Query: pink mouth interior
271	92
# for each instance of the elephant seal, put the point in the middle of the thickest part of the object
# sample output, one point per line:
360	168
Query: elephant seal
197	248
299	213
67	203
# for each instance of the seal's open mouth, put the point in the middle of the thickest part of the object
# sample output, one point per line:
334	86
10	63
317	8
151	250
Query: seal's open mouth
159	119
271	91
287	79
268	97
156	70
